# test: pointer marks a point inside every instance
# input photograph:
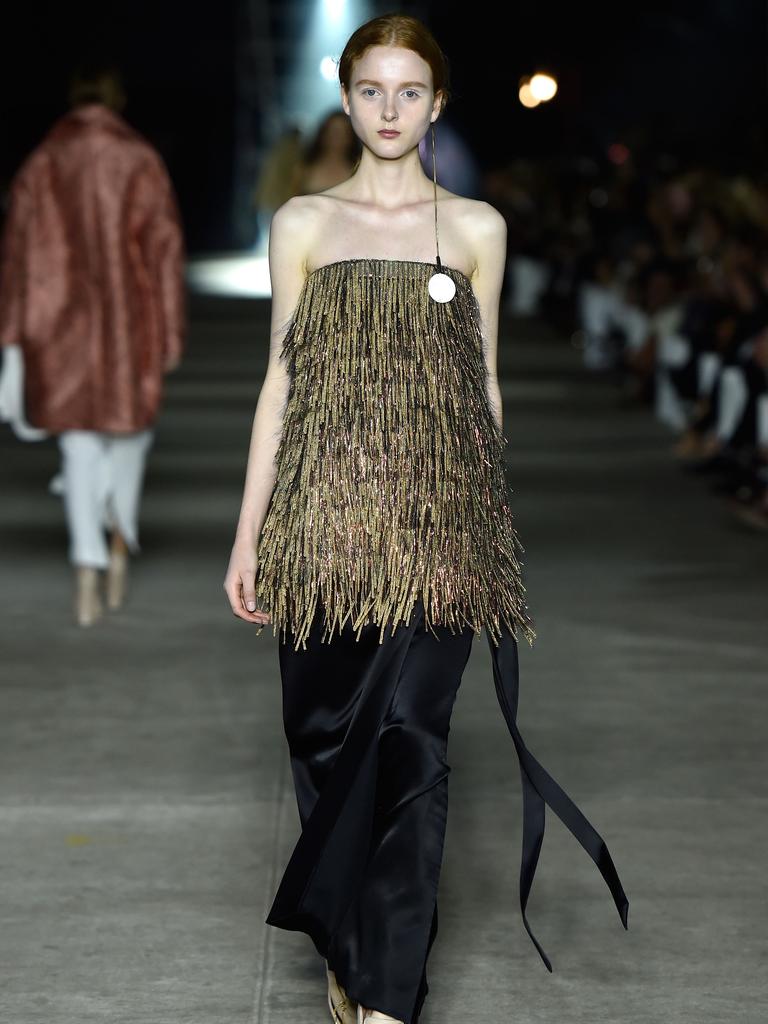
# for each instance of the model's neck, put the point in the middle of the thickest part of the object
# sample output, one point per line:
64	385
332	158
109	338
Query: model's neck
390	183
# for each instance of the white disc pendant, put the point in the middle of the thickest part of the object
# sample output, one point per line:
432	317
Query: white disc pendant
441	287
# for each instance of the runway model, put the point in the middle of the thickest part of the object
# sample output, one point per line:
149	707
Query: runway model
92	298
375	531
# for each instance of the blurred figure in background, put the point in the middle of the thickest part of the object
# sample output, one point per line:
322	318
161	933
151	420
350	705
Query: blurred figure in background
330	157
457	168
91	295
276	181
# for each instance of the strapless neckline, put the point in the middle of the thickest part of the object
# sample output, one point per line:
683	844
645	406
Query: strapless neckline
381	259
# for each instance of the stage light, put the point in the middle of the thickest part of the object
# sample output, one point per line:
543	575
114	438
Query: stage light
526	97
312	86
543	87
334	8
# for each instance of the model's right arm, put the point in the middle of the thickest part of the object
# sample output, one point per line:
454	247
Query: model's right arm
287	246
14	261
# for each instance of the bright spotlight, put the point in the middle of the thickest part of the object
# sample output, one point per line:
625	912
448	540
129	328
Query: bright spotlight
334	8
543	87
329	69
312	85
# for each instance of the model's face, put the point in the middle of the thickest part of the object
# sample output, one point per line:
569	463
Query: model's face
390	89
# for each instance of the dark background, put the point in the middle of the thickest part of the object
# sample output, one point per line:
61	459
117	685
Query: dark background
687	77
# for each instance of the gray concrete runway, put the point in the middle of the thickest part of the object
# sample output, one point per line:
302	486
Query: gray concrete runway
146	809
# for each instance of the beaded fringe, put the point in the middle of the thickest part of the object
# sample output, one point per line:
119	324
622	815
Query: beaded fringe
390	476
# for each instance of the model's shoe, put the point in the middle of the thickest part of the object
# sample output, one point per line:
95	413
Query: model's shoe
364	1015
343	1009
117	575
88	607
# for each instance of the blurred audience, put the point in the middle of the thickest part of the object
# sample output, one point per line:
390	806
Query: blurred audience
660	275
91	318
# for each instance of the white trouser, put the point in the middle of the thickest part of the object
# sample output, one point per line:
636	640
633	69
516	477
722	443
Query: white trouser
597	315
733	396
528	279
102	476
601	309
708	369
672	351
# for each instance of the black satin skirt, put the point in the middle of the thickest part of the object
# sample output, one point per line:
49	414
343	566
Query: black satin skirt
367	726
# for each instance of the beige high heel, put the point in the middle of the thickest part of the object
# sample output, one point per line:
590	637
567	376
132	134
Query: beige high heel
364	1015
343	1011
117	575
88	609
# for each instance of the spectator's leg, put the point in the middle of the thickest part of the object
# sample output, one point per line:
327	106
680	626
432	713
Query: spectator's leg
596	312
733	400
528	281
673	351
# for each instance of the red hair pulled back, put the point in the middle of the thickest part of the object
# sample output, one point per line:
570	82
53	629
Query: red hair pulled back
397	30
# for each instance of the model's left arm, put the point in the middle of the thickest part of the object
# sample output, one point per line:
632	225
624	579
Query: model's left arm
490	239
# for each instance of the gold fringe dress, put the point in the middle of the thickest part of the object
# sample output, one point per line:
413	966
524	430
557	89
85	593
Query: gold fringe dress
390	518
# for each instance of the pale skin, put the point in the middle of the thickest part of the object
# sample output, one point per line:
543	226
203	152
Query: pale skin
384	210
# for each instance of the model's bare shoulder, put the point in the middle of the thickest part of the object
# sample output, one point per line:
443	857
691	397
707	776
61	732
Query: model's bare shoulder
484	223
478	229
291	233
296	226
486	232
294	220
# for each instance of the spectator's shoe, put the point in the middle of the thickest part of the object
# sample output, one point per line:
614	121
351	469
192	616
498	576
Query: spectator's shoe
754	514
689	446
721	462
739	482
742	490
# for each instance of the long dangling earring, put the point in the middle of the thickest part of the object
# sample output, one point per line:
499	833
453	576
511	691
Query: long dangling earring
442	288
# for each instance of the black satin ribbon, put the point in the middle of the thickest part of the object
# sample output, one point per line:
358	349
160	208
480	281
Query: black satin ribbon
539	788
328	861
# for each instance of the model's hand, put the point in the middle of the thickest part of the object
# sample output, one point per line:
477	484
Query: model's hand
239	583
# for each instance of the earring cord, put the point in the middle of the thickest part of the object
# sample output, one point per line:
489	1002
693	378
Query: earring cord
434	182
